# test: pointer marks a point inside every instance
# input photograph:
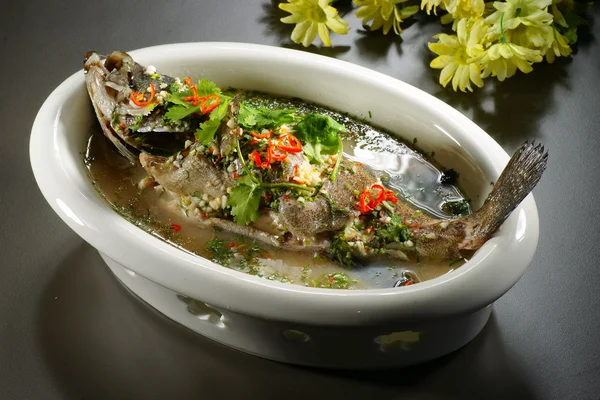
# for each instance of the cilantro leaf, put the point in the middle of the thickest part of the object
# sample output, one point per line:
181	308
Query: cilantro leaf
206	87
177	98
206	131
319	135
273	118
178	112
247	116
259	118
182	108
245	200
221	111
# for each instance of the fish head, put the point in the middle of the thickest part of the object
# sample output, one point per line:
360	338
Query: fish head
127	99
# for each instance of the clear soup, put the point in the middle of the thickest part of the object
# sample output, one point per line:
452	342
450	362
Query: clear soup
417	179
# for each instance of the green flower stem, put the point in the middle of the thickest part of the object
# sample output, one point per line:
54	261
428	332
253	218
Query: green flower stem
502	39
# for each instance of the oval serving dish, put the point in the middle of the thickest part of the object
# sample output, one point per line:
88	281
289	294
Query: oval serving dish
374	328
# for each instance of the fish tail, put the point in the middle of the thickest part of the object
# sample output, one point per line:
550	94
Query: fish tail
518	179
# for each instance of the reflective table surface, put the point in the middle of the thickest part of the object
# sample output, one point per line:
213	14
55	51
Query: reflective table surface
69	330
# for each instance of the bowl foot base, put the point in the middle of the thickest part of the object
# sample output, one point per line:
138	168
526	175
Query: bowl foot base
397	344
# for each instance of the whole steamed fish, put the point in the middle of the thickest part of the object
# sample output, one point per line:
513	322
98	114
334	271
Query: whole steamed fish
278	177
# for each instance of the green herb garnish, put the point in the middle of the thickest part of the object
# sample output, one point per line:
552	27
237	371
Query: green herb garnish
260	118
207	130
319	135
458	208
341	251
392	232
219	252
180	108
245	201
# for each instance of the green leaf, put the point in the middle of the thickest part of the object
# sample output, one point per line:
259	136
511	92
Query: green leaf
273	118
178	112
245	180
260	118
220	112
183	109
245	200
206	87
247	116
573	18
319	135
177	98
206	131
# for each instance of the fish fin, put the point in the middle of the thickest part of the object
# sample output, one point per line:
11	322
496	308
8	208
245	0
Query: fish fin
518	179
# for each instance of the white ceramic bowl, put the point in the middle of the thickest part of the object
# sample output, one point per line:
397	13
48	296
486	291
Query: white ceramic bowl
291	323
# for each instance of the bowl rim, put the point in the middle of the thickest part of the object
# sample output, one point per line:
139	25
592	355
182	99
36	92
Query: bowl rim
200	278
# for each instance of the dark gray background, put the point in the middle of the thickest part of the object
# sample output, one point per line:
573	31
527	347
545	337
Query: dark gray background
68	330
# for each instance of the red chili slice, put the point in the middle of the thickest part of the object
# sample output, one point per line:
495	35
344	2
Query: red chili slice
138	98
209	103
274	155
262	135
376	201
293	145
363	201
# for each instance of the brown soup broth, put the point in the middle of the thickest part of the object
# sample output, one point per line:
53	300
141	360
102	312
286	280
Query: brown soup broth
401	168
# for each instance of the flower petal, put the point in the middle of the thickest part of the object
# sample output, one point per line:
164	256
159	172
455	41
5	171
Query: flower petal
523	65
337	25
366	11
293	19
500	70
457	77
505	51
324	35
292	9
441	49
447	73
311	34
441	61
299	31
475	75
387	25
386	10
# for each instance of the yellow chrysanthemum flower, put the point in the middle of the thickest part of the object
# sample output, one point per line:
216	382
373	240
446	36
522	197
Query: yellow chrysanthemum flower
512	13
456	52
384	13
312	17
464	8
430	5
502	60
560	47
532	37
457	9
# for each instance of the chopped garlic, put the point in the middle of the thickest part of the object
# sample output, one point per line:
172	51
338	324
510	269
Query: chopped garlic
150	70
